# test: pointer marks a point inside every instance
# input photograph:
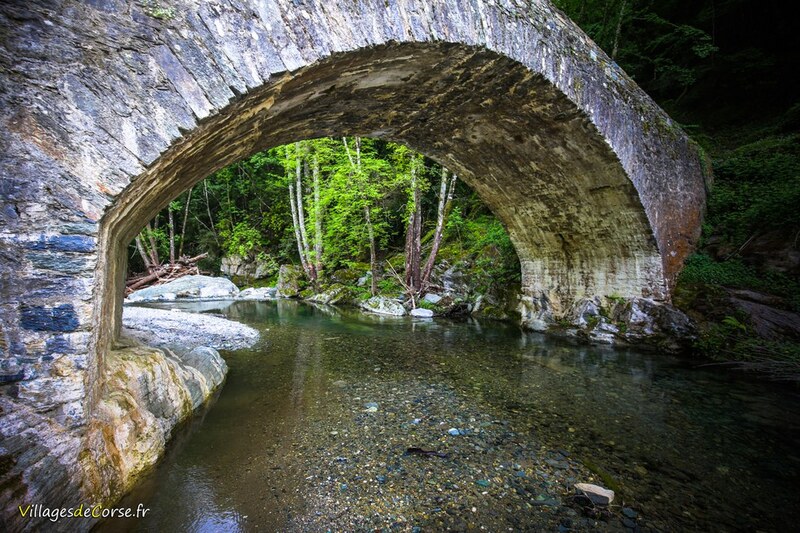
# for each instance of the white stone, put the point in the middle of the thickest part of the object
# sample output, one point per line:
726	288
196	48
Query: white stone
421	313
596	493
262	293
432	298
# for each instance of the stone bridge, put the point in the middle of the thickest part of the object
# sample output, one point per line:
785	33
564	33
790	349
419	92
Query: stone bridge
109	109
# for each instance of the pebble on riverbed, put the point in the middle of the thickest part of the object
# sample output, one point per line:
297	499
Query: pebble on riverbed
493	477
598	495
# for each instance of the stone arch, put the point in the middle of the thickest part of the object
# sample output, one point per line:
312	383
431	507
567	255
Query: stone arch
109	109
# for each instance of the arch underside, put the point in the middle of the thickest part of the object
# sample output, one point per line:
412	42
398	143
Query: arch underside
573	215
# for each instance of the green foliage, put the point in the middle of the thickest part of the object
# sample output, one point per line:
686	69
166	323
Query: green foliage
702	269
483	240
731	339
244	210
157	10
241	239
757	189
390	286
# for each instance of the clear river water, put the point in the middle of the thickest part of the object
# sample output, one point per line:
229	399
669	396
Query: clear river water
342	421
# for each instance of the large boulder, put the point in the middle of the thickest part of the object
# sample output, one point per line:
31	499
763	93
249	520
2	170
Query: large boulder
653	322
187	288
615	320
381	305
289	277
332	295
162	327
238	267
261	293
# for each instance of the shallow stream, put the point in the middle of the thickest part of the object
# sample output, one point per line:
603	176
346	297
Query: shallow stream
312	431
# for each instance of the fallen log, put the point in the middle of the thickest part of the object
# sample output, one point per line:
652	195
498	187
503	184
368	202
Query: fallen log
165	273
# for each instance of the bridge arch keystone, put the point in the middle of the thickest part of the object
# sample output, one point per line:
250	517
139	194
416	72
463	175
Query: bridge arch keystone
109	109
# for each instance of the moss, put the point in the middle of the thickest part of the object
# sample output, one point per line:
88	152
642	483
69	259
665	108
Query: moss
606	478
307	293
157	10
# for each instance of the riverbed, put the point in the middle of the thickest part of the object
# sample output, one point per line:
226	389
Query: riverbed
337	420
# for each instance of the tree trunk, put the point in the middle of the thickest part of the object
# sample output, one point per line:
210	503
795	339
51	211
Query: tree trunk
615	49
296	226
146	260
185	219
414	237
153	246
171	238
311	271
298	218
317	217
445	202
301	216
208	210
373	259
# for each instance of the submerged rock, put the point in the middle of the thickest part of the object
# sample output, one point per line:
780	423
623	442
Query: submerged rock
597	494
187	287
382	305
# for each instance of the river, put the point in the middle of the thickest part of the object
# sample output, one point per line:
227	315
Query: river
312	431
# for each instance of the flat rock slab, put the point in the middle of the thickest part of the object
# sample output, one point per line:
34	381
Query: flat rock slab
187	287
159	327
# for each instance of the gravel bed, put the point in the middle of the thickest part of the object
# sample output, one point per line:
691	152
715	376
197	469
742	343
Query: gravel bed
414	457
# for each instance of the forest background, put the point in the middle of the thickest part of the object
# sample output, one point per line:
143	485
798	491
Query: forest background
721	68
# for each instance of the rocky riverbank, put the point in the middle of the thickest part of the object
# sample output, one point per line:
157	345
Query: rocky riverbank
174	328
610	320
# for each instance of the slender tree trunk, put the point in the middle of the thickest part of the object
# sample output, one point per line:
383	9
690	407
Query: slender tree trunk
298	218
208	210
171	238
185	219
311	271
301	216
373	256
317	217
143	253
373	259
615	49
296	226
446	191
153	245
414	236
